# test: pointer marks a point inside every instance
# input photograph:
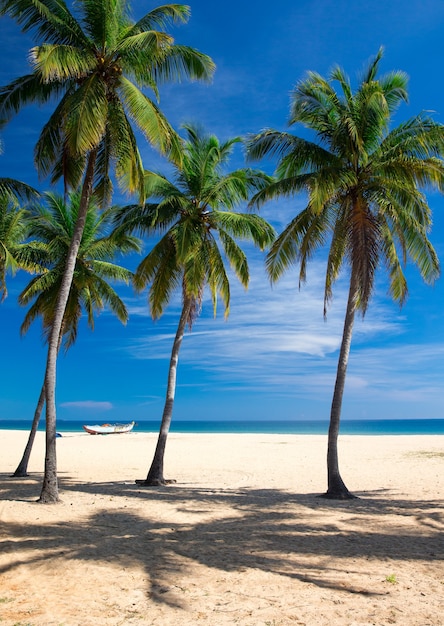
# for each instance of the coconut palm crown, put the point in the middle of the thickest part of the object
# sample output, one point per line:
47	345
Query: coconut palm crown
52	223
97	60
196	211
365	186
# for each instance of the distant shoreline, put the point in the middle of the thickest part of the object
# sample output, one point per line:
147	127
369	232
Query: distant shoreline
278	427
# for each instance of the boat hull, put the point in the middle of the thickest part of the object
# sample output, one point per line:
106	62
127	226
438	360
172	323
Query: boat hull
108	429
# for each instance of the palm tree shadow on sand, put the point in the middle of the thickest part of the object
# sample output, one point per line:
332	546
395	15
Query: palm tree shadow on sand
273	531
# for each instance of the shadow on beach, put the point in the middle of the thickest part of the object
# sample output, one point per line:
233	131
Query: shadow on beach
298	536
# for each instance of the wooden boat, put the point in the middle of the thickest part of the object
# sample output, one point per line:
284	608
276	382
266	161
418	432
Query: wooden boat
108	429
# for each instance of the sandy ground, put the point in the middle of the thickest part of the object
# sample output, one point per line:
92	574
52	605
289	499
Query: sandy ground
241	538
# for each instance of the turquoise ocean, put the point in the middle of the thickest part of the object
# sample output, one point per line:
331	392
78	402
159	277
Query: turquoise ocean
296	427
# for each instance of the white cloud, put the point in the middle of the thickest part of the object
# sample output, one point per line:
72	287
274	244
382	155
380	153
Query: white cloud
265	322
87	405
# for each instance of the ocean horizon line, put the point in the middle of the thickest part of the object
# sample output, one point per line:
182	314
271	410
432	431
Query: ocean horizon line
408	426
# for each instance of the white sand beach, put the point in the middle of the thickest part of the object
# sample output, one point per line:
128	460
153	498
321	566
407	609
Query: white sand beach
241	538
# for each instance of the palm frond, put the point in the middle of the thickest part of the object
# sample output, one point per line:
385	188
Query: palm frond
25	90
50	19
86	124
105	21
12	188
128	164
245	226
162	17
217	278
182	62
61	62
236	257
269	143
148	117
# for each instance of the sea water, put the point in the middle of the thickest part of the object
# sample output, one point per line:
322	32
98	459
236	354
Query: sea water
279	427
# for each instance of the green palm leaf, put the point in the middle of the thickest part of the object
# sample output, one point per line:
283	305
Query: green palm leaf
162	17
86	122
51	20
58	62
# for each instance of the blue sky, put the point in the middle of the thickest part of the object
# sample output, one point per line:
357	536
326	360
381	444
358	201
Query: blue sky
275	357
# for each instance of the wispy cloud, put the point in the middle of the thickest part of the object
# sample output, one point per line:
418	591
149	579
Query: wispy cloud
87	405
272	336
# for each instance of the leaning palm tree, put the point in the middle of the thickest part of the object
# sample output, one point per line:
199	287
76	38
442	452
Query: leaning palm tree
196	211
363	183
52	224
96	62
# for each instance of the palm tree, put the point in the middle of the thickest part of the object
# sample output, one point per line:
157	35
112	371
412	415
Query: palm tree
363	183
196	211
97	64
52	225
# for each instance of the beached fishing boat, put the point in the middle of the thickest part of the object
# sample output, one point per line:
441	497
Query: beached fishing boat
108	429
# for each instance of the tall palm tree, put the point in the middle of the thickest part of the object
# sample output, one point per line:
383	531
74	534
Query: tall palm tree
52	224
196	211
363	183
96	62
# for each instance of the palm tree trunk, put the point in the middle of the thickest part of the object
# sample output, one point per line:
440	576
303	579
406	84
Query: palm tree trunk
336	486
22	468
155	475
49	493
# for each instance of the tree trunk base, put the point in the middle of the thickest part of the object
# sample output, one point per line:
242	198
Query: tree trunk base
48	500
340	495
19	474
154	482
